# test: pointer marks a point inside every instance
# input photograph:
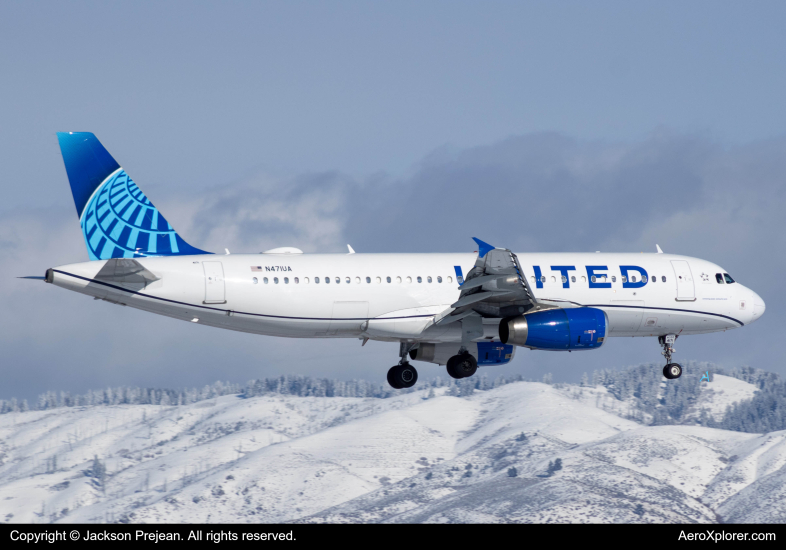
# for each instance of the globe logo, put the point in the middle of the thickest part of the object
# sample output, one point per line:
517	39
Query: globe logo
120	222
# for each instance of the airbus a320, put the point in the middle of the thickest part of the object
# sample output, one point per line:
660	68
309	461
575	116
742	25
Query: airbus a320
458	310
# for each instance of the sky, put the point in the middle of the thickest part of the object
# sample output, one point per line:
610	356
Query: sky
395	127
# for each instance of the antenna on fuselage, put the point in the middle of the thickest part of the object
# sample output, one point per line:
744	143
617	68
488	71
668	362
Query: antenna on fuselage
659	250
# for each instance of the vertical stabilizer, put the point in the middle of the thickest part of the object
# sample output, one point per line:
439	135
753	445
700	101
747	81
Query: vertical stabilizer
117	219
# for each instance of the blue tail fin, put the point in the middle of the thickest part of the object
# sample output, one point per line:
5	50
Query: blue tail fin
117	219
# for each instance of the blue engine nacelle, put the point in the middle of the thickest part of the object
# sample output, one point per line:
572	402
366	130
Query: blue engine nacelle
556	329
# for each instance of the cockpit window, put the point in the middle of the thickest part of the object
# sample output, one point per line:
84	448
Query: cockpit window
719	278
728	278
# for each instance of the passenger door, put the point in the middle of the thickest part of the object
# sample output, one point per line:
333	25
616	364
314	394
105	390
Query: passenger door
214	283
686	292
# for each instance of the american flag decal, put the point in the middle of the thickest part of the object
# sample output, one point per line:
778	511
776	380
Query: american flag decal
256	268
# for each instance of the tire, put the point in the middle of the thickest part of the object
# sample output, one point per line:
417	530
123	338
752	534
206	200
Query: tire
407	375
672	371
462	366
451	367
467	365
392	378
402	376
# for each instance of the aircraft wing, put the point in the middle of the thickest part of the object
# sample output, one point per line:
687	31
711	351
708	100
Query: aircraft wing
495	287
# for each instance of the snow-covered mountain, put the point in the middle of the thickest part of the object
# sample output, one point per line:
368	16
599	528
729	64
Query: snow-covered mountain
522	452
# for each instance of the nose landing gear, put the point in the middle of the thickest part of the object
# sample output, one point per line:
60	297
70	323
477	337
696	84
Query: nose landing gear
671	370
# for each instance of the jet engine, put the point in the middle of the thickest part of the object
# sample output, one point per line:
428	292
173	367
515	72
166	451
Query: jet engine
556	329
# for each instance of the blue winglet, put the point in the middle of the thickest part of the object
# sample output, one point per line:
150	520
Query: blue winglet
483	248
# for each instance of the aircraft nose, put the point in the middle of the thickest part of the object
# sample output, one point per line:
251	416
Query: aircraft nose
758	306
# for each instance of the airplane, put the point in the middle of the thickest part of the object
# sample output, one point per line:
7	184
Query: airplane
454	309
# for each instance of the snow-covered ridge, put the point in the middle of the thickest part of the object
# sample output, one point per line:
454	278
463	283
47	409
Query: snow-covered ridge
524	451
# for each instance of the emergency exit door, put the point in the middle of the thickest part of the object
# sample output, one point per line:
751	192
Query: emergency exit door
214	283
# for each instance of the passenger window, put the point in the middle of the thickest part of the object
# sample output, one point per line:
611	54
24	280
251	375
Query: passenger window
728	278
439	279
286	280
338	280
450	279
543	279
379	280
305	280
420	279
327	280
583	279
275	280
632	278
316	280
663	279
573	279
388	279
624	279
593	279
256	280
654	279
398	279
348	280
613	278
553	279
533	279
428	279
368	279
297	280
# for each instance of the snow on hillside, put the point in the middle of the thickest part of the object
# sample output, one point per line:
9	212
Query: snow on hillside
522	452
719	394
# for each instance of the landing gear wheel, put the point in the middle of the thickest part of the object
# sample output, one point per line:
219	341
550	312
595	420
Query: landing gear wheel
462	365
672	371
402	376
451	367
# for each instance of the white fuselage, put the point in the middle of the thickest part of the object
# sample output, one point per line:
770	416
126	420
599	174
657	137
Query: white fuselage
231	292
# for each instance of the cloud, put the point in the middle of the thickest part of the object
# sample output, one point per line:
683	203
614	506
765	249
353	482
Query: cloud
537	192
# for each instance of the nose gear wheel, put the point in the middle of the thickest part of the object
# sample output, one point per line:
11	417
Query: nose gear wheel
672	371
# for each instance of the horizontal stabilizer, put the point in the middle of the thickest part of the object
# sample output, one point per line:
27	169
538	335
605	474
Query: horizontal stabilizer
126	273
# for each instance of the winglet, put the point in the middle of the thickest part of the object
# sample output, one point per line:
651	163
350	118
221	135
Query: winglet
659	250
484	248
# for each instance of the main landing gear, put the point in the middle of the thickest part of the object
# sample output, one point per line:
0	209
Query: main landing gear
403	375
671	370
462	365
